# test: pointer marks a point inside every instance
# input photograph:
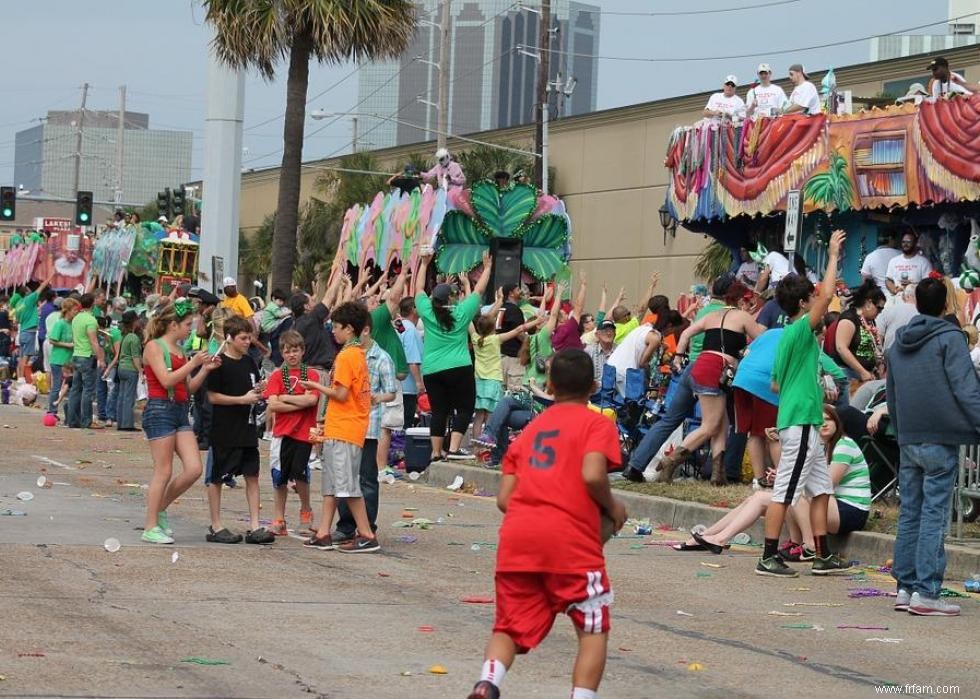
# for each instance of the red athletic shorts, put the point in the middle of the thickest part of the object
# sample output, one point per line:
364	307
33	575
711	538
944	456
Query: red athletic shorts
752	414
527	604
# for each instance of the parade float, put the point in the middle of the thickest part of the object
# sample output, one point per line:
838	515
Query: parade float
459	225
916	164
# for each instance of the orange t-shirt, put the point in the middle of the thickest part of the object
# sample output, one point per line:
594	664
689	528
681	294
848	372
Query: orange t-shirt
347	420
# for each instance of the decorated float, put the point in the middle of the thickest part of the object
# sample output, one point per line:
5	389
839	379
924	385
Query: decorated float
917	164
459	225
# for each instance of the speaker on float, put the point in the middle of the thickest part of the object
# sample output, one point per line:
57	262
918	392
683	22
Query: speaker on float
506	255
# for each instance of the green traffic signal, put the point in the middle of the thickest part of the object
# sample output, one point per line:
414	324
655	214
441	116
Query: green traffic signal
7	213
83	217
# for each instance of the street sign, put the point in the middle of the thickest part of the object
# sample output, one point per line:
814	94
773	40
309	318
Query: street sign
52	225
794	220
217	272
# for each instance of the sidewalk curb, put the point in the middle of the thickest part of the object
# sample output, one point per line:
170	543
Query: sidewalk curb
869	548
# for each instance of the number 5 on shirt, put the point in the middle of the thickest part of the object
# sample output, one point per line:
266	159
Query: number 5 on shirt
544	454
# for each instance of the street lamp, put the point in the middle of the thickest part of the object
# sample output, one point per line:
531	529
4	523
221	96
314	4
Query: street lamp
668	222
321	114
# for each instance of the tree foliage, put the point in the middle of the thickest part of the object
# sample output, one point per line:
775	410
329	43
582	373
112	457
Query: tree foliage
714	261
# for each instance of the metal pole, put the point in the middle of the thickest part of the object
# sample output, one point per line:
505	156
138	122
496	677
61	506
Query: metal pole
78	140
354	137
120	143
544	147
544	53
442	118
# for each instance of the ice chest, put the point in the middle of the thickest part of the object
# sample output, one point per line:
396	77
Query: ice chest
418	449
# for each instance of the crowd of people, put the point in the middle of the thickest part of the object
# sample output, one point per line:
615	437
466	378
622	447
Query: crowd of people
795	373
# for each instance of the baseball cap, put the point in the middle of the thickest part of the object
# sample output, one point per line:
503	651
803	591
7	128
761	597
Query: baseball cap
204	296
607	325
731	79
938	61
442	293
161	218
798	67
229	281
764	68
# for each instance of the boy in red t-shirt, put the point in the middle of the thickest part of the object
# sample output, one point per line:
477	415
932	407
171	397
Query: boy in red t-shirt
555	483
295	415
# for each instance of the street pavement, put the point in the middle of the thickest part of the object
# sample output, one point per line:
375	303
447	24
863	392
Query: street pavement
78	621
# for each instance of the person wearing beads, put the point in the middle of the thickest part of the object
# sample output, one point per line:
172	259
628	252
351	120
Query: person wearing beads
295	411
165	423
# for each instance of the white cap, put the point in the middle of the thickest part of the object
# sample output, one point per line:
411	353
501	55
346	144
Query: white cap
161	218
731	79
228	281
764	68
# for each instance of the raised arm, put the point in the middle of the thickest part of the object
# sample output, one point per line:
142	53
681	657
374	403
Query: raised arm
641	304
396	292
829	285
484	280
555	305
425	255
579	303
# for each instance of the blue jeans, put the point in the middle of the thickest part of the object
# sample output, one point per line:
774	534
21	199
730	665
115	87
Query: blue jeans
509	414
126	382
105	397
82	391
681	407
54	388
925	478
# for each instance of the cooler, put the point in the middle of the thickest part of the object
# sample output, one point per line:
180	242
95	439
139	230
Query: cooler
418	449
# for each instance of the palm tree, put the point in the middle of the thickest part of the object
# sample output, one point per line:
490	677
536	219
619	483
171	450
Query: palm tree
831	188
262	33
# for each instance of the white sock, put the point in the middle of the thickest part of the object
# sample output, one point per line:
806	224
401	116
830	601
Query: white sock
580	693
493	672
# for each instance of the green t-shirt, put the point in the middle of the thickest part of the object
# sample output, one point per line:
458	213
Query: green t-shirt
49	322
27	312
81	325
130	347
61	332
15	299
97	312
854	487
384	333
795	372
539	345
624	329
108	339
697	342
829	366
445	349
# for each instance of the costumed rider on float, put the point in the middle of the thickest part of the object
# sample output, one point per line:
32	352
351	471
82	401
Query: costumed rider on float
446	172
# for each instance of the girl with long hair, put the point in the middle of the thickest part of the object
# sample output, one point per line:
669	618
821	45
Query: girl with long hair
169	386
857	342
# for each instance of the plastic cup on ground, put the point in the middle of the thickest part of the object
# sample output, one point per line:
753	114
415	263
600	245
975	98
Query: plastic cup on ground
111	545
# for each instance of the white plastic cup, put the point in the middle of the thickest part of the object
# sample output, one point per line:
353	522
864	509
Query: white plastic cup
112	545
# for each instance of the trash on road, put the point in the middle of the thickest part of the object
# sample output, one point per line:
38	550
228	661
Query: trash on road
31	654
862	627
477	600
812	604
438	670
885	640
456	484
427	629
12	513
785	613
25	496
111	545
695	667
712	565
195	660
681	612
175	556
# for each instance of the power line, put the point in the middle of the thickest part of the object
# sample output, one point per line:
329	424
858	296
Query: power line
314	97
795	49
680	13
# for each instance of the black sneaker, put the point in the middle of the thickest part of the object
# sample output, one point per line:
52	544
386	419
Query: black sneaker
484	690
360	544
831	565
340	537
459	455
224	536
774	567
324	543
631	474
260	536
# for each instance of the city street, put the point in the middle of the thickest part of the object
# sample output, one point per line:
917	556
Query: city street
80	621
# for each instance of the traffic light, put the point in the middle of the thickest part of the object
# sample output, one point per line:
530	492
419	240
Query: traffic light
8	203
163	203
83	209
179	200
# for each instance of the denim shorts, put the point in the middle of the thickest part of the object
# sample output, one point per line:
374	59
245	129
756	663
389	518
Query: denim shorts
164	418
27	341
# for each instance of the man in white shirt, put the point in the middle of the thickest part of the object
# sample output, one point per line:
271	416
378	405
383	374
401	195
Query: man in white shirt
765	99
804	98
910	267
876	263
726	104
775	266
944	81
896	315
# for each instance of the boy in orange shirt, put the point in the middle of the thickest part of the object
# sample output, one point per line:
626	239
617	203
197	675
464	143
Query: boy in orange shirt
345	428
555	483
295	415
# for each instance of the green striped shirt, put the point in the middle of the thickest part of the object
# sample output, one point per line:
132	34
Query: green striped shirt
854	487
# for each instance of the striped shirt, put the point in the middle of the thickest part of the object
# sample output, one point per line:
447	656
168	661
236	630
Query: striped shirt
854	487
381	370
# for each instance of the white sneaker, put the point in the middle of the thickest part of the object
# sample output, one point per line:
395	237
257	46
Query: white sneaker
923	606
267	437
316	464
902	601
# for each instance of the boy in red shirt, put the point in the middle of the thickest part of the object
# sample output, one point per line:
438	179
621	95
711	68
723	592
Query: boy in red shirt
295	415
555	483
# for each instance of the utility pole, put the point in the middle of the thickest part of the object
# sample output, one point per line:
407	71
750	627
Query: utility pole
442	118
354	134
540	131
120	147
78	139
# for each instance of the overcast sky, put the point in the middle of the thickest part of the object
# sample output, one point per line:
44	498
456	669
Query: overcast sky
158	49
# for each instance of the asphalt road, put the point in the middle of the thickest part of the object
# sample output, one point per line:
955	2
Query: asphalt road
78	621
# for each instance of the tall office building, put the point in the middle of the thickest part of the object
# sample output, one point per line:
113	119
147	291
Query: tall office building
152	159
492	84
961	30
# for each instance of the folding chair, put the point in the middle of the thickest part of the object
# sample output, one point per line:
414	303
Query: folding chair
882	454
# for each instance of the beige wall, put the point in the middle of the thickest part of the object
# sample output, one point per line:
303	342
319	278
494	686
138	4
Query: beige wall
610	173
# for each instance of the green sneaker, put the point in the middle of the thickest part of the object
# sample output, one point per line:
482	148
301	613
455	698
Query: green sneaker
156	536
774	567
163	522
831	565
